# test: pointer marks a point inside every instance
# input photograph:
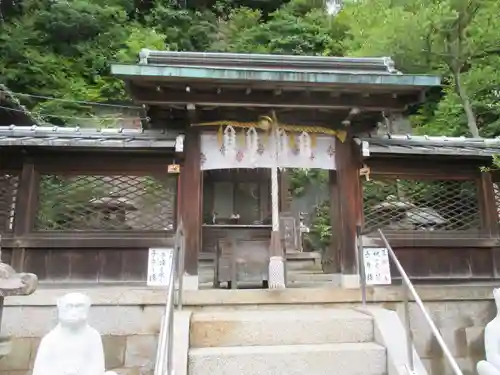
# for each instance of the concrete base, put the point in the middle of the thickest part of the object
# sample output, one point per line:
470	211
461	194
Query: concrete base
190	282
182	321
390	333
5	346
350	281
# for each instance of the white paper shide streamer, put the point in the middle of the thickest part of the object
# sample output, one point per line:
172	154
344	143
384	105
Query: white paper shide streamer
230	141
252	139
283	148
305	146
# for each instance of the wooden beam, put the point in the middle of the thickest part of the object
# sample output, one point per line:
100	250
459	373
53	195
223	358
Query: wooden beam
417	167
191	199
267	98
95	241
59	163
350	204
413	240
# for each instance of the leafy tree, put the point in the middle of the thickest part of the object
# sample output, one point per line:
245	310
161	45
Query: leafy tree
298	28
449	37
64	49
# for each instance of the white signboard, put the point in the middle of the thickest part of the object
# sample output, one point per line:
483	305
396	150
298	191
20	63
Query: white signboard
377	267
159	266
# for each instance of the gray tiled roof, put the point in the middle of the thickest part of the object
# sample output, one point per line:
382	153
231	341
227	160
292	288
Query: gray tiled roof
83	137
377	65
424	145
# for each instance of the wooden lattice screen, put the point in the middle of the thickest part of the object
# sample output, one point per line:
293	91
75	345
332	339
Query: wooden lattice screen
91	218
410	204
106	203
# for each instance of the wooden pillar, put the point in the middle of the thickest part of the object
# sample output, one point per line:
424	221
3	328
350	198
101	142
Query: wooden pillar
489	215
487	204
191	200
331	258
25	210
347	160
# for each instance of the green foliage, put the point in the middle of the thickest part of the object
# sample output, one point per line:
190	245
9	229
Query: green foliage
64	48
301	178
297	28
321	228
455	38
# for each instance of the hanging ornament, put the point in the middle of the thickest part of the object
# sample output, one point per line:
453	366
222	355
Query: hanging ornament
305	144
230	140
252	138
283	144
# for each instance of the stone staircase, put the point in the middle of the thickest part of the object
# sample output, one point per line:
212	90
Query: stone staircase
298	341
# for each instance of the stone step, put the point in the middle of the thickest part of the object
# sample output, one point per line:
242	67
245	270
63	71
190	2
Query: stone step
325	359
278	327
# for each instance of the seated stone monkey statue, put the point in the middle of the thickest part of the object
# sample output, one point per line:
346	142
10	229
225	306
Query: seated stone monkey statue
73	347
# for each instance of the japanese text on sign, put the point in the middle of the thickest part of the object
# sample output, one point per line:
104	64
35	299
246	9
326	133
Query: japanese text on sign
159	266
377	267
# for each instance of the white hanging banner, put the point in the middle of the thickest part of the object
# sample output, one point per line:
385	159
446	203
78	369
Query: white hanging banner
258	150
377	266
159	266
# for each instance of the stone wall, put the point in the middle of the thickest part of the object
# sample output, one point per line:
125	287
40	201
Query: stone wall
130	336
129	320
461	324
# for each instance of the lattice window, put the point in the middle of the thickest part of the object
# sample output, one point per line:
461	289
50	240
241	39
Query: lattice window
421	205
8	192
106	203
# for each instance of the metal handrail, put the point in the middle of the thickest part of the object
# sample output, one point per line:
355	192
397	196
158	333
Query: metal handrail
408	288
164	355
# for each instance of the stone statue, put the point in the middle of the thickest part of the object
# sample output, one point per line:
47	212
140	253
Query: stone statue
13	284
16	284
491	366
72	347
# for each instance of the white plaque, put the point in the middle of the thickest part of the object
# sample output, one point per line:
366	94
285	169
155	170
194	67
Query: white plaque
159	266
377	267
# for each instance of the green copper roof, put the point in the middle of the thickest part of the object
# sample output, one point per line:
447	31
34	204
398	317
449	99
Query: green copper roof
299	70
